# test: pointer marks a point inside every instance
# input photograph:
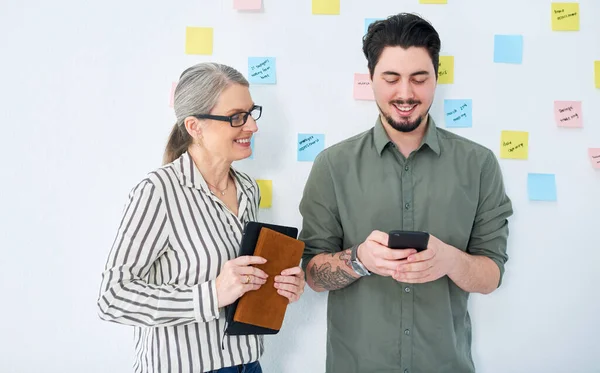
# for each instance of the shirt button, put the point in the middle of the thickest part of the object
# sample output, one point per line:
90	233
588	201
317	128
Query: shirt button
407	206
407	290
407	332
405	168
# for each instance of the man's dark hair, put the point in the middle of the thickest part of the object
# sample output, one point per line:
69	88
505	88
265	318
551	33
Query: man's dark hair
401	30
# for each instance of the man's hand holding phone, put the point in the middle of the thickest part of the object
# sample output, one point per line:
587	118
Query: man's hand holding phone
428	265
375	254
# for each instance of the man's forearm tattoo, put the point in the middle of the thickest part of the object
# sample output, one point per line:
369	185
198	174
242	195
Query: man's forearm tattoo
325	277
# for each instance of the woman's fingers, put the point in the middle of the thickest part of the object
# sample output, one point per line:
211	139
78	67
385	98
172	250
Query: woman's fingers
247	260
292	271
252	271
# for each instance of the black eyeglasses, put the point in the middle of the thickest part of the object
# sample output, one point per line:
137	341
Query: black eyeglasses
237	119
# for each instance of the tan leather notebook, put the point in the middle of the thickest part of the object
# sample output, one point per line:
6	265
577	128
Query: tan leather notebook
265	307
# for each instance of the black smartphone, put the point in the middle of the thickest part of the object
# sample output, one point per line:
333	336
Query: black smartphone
408	240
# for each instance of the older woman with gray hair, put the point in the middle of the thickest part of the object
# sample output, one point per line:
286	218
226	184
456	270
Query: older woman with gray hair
173	266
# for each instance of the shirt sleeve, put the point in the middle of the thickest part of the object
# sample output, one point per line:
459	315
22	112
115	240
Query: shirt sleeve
322	230
490	228
125	296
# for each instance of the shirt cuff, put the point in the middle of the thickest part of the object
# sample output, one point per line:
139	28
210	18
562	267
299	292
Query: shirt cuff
206	304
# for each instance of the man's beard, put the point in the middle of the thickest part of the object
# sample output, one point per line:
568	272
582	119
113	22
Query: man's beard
407	125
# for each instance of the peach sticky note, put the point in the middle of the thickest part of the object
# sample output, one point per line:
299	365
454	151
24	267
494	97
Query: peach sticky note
514	145
362	87
325	6
247	4
446	70
266	193
594	154
597	73
433	1
198	40
568	114
172	97
565	16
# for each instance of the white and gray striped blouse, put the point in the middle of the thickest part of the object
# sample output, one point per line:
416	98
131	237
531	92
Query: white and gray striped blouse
172	242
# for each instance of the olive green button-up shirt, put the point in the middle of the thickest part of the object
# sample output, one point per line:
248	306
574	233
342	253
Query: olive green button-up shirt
450	187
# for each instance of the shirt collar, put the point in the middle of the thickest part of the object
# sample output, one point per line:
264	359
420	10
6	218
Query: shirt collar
189	175
382	139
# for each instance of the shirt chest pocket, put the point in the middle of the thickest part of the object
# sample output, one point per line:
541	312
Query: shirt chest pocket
447	211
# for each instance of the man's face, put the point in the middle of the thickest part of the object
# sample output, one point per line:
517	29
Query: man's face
404	84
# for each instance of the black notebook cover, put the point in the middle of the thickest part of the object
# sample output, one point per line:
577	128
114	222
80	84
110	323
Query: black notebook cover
249	239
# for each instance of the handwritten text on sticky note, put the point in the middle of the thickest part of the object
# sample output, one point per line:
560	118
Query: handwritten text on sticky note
594	154
508	49
266	193
446	70
362	87
541	187
459	113
199	40
326	6
514	145
309	146
568	114
261	70
247	4
565	16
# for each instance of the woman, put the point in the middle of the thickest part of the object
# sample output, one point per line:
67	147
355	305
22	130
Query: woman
173	268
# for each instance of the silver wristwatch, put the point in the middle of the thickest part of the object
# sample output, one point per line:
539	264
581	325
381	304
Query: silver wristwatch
357	266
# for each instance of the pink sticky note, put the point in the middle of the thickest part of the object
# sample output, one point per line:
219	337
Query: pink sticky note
568	114
362	87
172	100
594	154
247	4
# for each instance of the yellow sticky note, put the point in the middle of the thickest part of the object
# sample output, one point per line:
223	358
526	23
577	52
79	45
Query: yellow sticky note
597	73
198	40
266	193
565	16
325	6
446	70
433	1
514	145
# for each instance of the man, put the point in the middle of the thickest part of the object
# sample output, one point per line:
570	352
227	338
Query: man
396	310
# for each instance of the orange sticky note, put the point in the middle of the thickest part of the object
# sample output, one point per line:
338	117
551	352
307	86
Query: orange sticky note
433	1
568	114
198	40
326	7
565	16
362	87
266	193
514	145
594	154
446	70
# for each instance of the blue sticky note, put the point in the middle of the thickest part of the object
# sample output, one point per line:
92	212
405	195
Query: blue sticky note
508	48
541	187
368	22
261	70
458	113
309	146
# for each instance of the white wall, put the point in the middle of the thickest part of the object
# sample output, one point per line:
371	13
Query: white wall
84	114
